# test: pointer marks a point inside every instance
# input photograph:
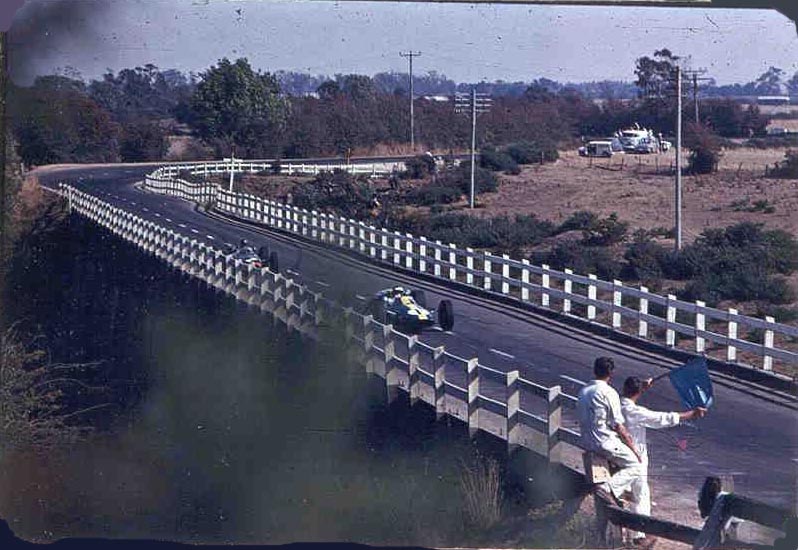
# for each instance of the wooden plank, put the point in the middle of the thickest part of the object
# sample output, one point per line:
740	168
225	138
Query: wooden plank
652	526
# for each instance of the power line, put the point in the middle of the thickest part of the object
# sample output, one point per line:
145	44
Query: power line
410	55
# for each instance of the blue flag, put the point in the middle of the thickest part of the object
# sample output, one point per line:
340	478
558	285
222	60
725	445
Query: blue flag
691	381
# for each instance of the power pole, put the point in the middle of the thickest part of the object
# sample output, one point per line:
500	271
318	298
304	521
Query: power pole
410	55
694	74
476	103
678	158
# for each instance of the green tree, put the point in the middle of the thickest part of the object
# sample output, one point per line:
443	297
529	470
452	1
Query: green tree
236	105
656	75
143	141
770	82
55	124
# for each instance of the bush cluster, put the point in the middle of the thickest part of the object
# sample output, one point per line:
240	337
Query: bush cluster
501	234
788	168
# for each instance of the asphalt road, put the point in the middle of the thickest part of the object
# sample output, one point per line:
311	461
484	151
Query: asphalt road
753	440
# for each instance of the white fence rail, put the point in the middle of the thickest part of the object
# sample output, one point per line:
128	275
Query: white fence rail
625	309
517	410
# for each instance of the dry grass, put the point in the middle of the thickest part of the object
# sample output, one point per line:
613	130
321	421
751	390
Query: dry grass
481	485
640	189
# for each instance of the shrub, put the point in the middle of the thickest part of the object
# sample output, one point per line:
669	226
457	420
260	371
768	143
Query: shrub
606	232
419	166
581	220
430	195
584	260
644	259
788	168
494	160
484	180
704	149
529	152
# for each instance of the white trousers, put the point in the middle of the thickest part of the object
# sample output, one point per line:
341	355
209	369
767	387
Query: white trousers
641	492
631	469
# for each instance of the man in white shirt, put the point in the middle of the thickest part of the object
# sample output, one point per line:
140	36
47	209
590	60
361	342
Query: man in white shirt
638	419
602	429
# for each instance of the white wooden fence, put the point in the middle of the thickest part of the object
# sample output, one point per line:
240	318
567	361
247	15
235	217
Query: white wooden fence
635	311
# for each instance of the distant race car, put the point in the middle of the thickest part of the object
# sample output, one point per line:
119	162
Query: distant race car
247	255
407	309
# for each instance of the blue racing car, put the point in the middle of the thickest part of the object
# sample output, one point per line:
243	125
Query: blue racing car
407	309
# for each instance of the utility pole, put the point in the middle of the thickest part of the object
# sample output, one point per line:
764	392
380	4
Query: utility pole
232	160
694	74
410	55
476	103
678	158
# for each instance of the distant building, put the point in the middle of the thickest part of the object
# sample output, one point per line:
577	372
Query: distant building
773	100
439	98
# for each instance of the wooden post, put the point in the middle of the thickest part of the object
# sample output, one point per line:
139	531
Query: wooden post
513	406
439	370
505	274
422	253
472	381
409	252
412	369
546	284
617	302
700	326
731	350
767	360
437	265
642	324
524	280
553	424
670	318
469	266
568	289
452	262
591	295
486	267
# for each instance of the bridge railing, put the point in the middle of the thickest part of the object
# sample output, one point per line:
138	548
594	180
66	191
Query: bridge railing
517	410
694	327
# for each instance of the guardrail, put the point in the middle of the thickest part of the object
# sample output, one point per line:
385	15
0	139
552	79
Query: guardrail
632	311
518	411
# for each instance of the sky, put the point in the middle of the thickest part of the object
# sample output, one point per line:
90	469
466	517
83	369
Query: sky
466	42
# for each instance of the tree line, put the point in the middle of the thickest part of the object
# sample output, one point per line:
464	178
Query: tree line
129	115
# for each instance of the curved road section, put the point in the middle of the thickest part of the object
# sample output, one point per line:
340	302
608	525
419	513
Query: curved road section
748	436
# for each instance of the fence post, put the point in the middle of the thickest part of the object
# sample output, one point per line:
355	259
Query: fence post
700	326
422	253
591	295
368	342
412	368
383	245
361	237
553	423
731	350
486	267
469	266
452	262
617	302
642	324
437	265
409	251
670	318
767	360
524	280
513	406
388	352
545	282
472	385
568	286
505	274
397	247
352	232
439	370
